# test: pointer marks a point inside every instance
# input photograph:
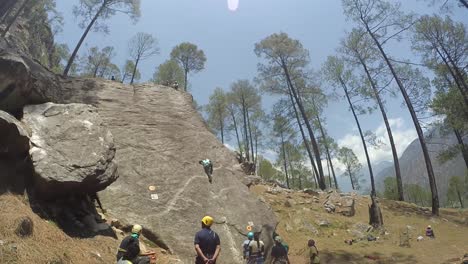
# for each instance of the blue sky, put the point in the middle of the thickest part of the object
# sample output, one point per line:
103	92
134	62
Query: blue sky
228	40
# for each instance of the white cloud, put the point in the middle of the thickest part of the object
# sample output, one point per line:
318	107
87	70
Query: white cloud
402	136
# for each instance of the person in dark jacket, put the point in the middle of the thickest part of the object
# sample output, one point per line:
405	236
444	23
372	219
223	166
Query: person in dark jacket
129	248
279	253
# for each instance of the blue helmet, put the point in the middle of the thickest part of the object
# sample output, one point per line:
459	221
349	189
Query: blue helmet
250	235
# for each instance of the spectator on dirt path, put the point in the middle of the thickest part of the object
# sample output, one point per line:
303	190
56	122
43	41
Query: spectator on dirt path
129	249
207	243
430	232
313	252
245	245
208	166
278	252
256	250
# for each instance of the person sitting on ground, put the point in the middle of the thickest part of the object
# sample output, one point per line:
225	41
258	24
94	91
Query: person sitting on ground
256	250
208	166
430	232
278	252
207	243
245	245
313	252
129	249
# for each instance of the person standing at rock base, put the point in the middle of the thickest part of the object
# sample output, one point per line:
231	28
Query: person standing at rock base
245	245
256	250
278	252
207	243
208	166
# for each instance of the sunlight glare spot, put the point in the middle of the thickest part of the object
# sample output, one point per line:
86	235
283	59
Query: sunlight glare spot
233	5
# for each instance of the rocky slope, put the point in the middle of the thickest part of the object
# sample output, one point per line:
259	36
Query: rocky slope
304	216
159	139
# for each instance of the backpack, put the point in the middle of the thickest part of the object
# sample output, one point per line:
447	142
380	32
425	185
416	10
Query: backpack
130	247
246	248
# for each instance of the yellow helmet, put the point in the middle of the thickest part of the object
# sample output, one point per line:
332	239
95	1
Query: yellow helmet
136	229
207	220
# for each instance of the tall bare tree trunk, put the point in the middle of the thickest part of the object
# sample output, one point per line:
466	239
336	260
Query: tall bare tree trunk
458	82
351	178
221	124
237	133
135	69
75	51
13	20
458	74
327	148
304	138
321	178
364	145
329	176
284	160
291	171
250	135
185	80
396	162
422	141
464	149
246	134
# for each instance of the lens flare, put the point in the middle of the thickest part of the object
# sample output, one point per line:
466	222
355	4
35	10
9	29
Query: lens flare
233	5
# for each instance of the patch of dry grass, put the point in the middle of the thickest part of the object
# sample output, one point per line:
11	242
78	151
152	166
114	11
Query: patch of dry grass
295	227
48	244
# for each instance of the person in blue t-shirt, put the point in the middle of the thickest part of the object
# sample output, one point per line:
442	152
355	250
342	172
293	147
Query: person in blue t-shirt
207	243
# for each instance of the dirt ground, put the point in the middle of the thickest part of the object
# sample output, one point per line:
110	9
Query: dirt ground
50	245
298	224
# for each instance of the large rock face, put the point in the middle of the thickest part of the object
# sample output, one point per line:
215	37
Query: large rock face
160	138
71	150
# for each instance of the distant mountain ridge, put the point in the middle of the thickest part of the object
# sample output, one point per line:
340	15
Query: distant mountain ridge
413	167
345	183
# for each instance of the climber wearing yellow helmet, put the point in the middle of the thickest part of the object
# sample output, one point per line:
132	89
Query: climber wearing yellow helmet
207	243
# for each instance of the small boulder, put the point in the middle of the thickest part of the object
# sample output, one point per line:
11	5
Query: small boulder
25	227
252	180
323	223
311	192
